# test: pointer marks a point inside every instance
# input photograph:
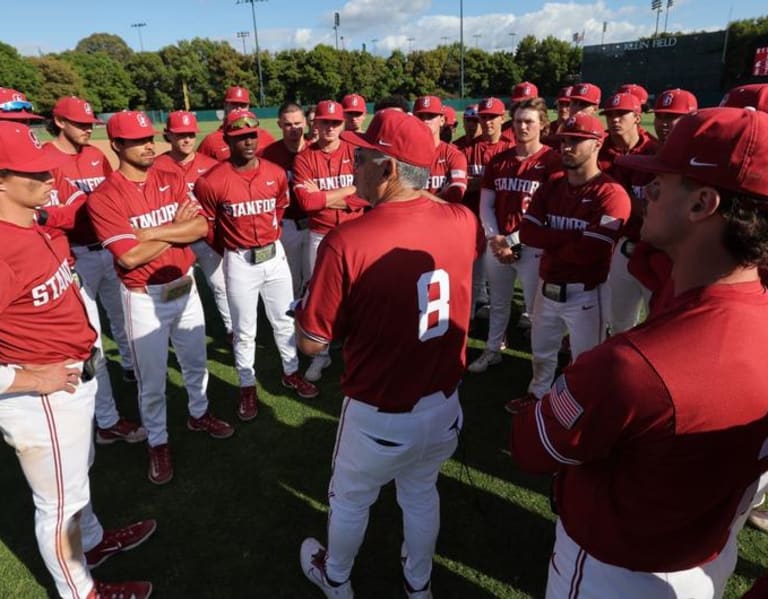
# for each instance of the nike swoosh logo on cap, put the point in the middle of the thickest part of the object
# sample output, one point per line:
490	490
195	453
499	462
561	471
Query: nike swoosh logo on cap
695	162
95	162
381	142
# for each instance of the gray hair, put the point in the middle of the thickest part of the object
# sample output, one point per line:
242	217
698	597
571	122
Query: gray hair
415	177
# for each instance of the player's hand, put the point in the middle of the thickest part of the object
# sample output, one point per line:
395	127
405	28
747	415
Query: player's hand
187	211
497	243
506	255
310	186
54	377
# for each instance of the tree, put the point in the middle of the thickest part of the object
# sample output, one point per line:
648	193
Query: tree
107	86
59	79
152	81
17	73
112	45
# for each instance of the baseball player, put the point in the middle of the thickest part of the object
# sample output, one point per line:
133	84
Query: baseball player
636	90
401	415
180	132
562	105
671	105
312	134
355	111
522	91
509	182
448	173
449	125
47	384
576	220
213	144
754	95
471	127
479	153
147	217
14	106
245	199
680	399
323	184
625	137
585	97
395	101
295	225
84	167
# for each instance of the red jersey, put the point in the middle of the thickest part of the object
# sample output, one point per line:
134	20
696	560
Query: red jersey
514	181
479	154
119	207
389	280
190	171
329	170
577	227
42	317
215	146
448	173
632	180
657	454
85	170
245	207
508	130
278	153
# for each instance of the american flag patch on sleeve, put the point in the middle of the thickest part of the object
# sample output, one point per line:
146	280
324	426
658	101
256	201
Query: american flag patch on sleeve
564	406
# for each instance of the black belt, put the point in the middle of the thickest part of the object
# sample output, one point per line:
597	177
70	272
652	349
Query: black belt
261	254
558	292
301	223
89	366
628	247
92	247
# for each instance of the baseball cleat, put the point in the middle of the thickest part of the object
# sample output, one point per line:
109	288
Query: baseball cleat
312	557
425	593
126	430
517	405
315	371
248	404
121	539
160	465
301	385
486	359
120	590
208	423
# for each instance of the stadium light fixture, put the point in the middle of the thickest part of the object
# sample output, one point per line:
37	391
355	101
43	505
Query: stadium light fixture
258	51
138	27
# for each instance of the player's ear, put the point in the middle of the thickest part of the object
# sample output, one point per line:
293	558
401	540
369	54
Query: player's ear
390	168
704	204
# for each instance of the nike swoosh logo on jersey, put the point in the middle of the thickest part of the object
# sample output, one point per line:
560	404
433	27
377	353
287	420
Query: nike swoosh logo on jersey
201	170
441	161
95	162
270	182
164	188
585	200
345	161
695	162
538	166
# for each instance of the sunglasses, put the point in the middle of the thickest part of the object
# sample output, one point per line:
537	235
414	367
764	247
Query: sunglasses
16	106
244	122
358	158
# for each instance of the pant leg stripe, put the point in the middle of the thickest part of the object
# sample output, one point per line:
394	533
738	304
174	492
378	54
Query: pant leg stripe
52	432
578	574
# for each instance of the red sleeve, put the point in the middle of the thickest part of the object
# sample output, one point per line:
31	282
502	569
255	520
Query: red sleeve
7	286
534	230
64	216
283	197
206	148
581	420
318	314
308	201
207	198
112	225
457	165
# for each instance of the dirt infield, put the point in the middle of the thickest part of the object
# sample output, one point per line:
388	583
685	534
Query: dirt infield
103	145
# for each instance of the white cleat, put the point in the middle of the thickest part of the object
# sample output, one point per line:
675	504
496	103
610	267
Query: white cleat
315	371
312	557
486	359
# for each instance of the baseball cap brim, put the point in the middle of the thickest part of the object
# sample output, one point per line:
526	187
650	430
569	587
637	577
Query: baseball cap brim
358	139
241	132
578	134
42	163
20	116
180	130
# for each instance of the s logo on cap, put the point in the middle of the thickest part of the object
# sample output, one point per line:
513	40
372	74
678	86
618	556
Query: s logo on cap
35	141
142	120
583	90
185	119
667	100
570	122
616	100
87	108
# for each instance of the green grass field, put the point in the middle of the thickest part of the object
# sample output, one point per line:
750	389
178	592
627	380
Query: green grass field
233	518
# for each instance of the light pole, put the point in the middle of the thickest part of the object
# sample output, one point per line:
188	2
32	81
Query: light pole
656	6
512	34
410	44
461	49
256	41
138	27
477	37
336	23
666	14
242	35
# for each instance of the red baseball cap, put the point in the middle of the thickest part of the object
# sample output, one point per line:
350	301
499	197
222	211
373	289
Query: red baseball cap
675	101
328	110
582	125
755	95
241	121
14	106
524	91
722	147
491	106
21	151
75	109
130	124
622	102
354	103
237	95
586	92
399	135
181	121
564	95
449	112
470	112
428	105
636	90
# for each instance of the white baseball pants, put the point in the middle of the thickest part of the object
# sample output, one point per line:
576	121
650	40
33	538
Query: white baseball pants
314	242
373	448
246	282
150	323
501	289
582	315
210	263
575	573
626	294
52	436
97	270
295	242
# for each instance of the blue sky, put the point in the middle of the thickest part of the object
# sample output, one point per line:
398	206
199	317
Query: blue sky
47	25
